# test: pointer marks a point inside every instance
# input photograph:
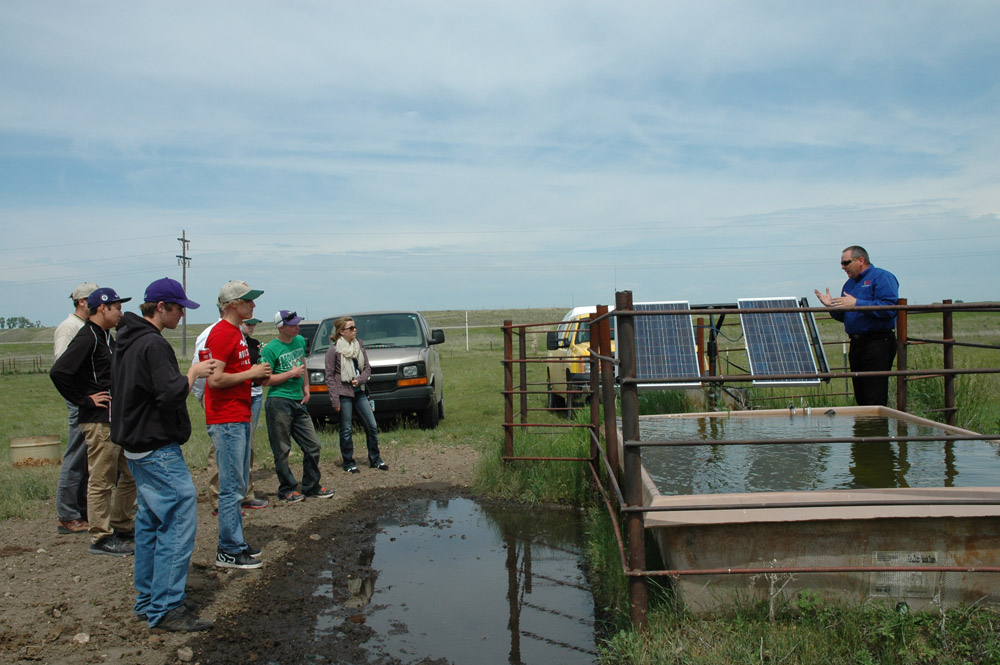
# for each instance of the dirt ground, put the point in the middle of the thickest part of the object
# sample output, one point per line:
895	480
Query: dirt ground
59	604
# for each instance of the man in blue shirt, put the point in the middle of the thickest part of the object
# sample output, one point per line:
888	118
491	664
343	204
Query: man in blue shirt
872	333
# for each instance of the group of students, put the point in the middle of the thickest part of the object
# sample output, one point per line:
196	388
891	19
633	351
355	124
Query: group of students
140	498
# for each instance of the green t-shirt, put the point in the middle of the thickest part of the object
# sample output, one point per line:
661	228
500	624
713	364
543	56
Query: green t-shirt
282	358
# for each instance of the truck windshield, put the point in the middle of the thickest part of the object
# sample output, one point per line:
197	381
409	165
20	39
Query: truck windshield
389	330
377	330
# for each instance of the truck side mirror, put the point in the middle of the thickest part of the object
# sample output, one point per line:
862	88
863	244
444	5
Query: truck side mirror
553	342
437	336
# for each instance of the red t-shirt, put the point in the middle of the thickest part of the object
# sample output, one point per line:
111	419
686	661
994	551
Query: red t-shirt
228	405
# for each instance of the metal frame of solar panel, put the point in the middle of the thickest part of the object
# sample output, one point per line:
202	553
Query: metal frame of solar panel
777	342
664	344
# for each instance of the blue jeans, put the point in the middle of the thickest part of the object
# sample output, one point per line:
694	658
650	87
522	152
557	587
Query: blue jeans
71	494
164	530
256	401
348	408
232	455
289	419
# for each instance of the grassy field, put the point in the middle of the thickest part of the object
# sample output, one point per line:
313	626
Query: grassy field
473	404
820	634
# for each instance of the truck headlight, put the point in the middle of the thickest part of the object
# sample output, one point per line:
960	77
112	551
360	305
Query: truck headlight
317	376
411	371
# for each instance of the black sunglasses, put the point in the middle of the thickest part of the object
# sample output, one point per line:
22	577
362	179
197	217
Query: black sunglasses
289	316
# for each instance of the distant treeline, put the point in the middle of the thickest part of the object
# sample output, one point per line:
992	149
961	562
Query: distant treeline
14	322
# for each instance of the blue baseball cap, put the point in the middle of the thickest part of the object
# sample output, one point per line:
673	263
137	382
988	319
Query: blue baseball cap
169	290
104	296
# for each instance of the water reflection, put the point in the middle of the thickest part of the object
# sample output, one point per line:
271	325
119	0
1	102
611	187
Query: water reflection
761	468
450	579
877	463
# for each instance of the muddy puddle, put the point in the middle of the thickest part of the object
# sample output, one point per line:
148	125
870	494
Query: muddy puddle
419	577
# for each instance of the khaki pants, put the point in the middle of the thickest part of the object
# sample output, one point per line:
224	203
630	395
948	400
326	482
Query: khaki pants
111	488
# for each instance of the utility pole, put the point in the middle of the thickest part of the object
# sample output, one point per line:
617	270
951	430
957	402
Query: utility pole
184	260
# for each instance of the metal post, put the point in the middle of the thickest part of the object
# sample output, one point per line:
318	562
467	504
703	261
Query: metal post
608	395
713	360
595	396
901	336
638	597
522	353
700	343
949	363
508	384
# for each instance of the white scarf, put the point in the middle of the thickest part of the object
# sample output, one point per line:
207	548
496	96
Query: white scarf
349	351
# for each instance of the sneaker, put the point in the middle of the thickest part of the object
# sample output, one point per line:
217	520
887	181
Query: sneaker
322	493
352	468
126	535
254	504
254	552
181	619
241	560
73	526
292	497
141	616
112	546
379	464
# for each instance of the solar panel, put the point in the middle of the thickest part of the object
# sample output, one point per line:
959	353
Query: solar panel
777	342
664	344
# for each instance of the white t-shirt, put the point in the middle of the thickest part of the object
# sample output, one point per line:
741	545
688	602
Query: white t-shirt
65	332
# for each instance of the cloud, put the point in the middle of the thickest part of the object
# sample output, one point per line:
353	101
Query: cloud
496	153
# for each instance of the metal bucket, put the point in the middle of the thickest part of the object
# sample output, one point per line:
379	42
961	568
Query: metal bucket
43	448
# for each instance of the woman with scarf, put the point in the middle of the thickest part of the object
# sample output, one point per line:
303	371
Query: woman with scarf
347	372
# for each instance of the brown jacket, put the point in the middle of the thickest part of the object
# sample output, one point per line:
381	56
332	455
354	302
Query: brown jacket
334	383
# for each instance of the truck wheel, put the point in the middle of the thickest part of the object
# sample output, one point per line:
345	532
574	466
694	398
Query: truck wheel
430	417
441	409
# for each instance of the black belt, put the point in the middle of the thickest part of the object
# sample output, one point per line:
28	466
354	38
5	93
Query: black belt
874	334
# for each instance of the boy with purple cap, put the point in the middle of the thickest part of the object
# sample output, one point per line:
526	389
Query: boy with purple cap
82	374
71	492
286	412
150	421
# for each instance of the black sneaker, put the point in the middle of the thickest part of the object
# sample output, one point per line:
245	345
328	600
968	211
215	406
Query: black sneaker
188	603
254	552
112	546
352	468
181	619
241	560
379	464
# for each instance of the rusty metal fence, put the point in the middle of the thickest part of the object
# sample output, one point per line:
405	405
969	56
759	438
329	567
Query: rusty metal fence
617	476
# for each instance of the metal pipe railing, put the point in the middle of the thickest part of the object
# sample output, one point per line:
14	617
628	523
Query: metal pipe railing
628	491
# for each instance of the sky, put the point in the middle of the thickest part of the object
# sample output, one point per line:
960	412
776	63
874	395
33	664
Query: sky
347	156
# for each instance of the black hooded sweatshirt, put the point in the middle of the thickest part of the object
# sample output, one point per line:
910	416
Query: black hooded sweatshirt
149	391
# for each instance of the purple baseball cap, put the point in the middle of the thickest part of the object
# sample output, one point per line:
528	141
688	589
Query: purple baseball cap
169	290
104	296
287	317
